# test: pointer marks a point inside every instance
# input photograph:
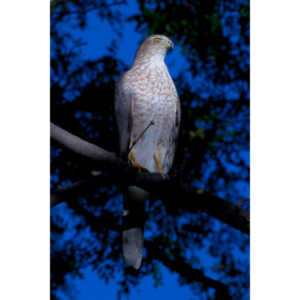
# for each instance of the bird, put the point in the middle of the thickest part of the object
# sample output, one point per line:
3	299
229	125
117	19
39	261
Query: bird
147	112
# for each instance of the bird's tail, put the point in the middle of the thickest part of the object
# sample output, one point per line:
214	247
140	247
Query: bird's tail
133	225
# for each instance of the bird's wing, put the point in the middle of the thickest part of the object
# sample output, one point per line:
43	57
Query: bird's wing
178	113
123	113
177	121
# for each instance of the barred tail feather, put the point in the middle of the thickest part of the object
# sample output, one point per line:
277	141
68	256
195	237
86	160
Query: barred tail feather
133	226
133	242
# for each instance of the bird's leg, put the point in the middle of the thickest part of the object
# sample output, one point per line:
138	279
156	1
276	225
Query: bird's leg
157	162
135	163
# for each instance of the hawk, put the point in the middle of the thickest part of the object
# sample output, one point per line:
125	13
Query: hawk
147	111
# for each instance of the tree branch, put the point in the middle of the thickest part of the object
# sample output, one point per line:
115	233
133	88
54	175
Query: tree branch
82	147
186	271
174	194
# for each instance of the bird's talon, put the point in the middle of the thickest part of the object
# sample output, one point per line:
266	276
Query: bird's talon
158	164
135	163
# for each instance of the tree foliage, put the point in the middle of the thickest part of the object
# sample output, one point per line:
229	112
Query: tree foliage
209	256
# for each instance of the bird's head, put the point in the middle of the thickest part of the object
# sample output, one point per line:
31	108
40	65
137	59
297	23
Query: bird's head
155	45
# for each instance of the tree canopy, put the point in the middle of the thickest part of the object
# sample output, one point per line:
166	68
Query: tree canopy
210	255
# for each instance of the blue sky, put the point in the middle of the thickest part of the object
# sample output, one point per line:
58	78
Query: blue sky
91	288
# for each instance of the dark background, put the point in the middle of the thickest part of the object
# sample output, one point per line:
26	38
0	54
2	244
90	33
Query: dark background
92	43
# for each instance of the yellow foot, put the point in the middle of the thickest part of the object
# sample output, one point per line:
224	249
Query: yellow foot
135	163
158	163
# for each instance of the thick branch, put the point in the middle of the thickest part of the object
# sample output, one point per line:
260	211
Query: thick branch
81	146
174	194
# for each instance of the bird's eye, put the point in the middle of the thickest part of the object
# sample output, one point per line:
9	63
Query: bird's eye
156	41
